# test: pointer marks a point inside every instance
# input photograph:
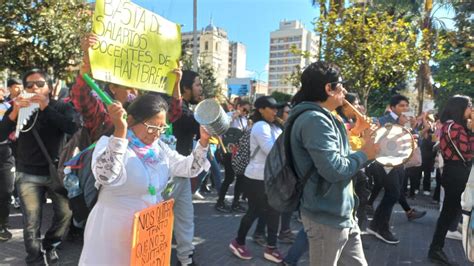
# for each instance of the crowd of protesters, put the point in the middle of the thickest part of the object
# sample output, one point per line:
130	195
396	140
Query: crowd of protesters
330	143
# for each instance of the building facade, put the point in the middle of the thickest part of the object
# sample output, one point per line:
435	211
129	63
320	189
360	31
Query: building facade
237	60
228	59
282	62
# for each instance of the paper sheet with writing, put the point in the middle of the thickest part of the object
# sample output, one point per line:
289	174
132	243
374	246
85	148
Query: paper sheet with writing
136	47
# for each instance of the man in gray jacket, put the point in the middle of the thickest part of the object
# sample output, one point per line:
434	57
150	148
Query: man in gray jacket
319	143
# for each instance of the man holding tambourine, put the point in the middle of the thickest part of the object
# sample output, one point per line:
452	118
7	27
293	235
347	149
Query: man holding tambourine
397	145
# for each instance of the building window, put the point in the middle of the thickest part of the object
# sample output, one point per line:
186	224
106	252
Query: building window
217	46
206	46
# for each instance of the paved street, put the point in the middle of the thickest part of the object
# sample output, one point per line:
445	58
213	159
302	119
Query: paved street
214	231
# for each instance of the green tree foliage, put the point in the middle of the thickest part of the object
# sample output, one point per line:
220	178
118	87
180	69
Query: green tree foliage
42	33
281	97
209	85
453	71
375	51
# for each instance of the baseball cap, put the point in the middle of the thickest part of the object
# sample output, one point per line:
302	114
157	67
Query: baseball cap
267	101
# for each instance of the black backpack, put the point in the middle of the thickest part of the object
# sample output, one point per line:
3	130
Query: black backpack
283	186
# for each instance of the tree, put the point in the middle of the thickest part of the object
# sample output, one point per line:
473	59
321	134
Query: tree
209	85
281	97
453	71
42	33
376	51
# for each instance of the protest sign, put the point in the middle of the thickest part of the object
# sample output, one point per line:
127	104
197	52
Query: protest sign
136	47
152	233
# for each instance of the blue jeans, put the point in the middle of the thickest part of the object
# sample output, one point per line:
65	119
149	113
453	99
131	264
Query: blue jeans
215	167
298	248
31	190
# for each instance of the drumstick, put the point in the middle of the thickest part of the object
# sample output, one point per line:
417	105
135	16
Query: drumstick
219	139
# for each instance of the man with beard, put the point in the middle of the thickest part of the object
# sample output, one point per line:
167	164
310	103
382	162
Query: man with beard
186	130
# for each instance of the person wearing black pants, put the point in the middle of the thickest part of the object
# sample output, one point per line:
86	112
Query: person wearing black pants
262	137
7	178
258	207
457	146
453	180
228	179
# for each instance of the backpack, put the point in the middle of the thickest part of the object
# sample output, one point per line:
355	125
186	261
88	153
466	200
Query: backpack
242	157
75	173
283	186
79	181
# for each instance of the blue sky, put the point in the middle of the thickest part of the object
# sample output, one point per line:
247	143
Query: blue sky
246	21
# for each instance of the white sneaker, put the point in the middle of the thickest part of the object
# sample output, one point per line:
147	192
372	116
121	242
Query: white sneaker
426	193
198	196
454	235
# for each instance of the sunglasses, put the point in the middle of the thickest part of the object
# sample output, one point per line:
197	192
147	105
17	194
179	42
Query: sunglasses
151	129
38	83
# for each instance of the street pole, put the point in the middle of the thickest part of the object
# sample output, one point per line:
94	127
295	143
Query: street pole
195	56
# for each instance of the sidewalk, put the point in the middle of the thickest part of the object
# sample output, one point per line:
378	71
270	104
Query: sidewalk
214	231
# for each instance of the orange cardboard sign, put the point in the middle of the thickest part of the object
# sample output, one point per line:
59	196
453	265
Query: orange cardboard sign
152	233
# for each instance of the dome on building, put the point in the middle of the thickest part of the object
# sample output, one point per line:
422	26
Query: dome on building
211	27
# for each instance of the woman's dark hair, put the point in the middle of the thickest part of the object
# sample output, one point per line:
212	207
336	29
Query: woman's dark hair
242	102
351	98
256	116
42	73
281	110
146	106
314	80
455	108
187	80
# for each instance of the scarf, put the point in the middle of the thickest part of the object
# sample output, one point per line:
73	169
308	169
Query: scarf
148	154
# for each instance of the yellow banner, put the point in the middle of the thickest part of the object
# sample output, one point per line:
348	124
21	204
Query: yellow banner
136	47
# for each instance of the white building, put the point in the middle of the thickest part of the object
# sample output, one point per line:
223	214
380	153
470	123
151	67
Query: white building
214	48
237	60
282	61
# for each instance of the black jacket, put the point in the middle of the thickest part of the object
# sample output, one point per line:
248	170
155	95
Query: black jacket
52	123
185	129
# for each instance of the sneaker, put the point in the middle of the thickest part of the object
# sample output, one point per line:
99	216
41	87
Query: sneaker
198	196
414	214
5	235
240	250
260	239
439	257
190	262
52	256
426	193
287	237
386	236
454	235
371	229
16	203
238	208
273	254
369	209
221	207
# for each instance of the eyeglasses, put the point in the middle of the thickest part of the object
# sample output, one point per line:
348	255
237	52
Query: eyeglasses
38	83
151	129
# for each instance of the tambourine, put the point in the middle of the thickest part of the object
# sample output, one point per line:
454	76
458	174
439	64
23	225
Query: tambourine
396	145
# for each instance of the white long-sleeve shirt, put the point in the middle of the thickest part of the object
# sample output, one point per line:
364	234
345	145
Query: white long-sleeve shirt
263	135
